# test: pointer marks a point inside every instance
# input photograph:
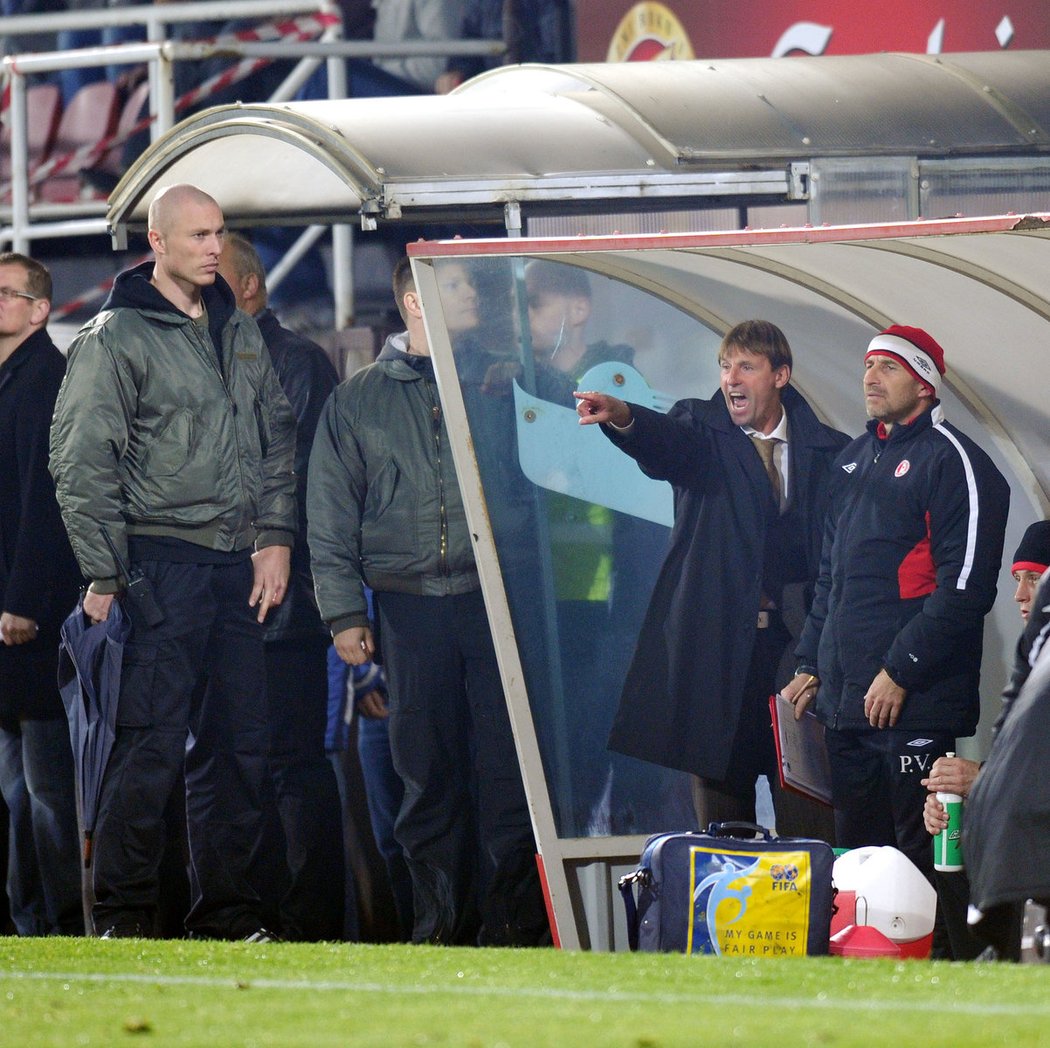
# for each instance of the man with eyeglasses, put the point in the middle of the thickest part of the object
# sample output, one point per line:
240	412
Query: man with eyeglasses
38	588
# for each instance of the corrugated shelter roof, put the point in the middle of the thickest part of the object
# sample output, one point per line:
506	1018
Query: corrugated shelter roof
595	135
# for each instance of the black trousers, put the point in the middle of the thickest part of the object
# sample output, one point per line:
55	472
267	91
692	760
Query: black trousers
305	796
1000	927
464	821
876	783
192	693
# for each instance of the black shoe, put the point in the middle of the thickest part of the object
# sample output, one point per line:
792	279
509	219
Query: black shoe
244	930
124	930
261	935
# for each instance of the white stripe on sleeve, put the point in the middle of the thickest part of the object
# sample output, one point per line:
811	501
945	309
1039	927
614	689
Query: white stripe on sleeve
971	490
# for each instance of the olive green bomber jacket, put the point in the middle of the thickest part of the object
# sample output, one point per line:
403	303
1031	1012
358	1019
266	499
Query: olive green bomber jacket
149	437
383	498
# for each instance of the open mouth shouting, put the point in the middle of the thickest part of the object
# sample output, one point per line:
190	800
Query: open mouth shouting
738	403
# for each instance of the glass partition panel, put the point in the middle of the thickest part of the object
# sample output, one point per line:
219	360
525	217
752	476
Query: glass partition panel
580	533
862	189
989	186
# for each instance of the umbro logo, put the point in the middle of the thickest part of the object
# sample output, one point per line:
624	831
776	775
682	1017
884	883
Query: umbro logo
920	743
850	467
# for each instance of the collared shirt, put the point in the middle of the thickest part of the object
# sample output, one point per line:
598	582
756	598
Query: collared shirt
780	452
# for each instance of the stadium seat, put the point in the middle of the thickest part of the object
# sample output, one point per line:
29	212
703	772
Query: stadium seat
89	117
43	106
134	109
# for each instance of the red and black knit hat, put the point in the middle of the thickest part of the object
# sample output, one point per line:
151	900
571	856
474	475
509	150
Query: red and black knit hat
1033	554
918	351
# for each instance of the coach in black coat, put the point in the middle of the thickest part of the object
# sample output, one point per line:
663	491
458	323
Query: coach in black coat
696	694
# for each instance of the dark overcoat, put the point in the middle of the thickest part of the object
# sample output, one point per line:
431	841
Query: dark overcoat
307	377
684	690
39	578
1006	818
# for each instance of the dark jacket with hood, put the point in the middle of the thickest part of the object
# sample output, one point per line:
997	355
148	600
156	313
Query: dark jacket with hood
167	430
383	496
684	691
307	378
909	568
39	578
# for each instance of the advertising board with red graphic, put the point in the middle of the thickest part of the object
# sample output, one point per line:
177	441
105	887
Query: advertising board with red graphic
619	30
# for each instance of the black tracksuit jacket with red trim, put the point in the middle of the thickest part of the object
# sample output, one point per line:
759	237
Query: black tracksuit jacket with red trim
912	551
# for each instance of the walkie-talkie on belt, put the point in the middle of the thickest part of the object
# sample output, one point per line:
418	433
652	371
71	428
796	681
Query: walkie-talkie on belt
138	590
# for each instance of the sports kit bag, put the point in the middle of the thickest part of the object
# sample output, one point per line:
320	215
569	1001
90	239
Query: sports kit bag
735	890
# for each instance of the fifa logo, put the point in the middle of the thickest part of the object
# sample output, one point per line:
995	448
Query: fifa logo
785	877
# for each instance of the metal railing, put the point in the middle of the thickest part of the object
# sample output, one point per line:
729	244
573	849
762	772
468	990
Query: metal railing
28	221
159	55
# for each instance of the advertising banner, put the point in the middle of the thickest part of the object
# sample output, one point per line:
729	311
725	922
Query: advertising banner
619	30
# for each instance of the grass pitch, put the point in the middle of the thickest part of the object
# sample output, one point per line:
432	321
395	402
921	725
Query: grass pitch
85	992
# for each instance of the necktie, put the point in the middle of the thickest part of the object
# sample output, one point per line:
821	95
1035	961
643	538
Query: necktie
765	451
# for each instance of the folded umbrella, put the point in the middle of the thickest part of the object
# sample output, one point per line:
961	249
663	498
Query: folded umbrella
89	680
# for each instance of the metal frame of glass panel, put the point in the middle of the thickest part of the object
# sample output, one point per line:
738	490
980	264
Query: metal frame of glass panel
563	637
